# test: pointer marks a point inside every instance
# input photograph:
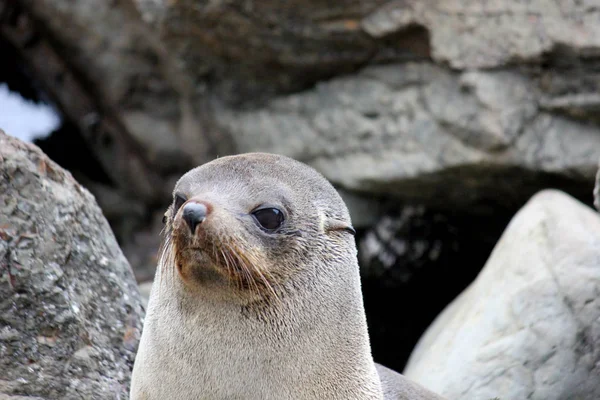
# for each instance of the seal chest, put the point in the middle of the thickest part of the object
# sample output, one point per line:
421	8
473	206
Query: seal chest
257	291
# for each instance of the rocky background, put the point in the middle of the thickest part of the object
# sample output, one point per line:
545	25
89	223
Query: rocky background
437	121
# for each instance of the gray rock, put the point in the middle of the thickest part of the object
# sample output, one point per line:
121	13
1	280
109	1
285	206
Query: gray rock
597	191
131	70
264	44
420	133
70	311
414	129
145	289
529	326
474	34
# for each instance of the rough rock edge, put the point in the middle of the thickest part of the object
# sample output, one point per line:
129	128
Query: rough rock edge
79	336
597	191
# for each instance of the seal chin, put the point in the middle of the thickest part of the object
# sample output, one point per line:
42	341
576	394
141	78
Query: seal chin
201	272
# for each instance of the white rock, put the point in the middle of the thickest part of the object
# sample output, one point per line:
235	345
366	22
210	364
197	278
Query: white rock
529	326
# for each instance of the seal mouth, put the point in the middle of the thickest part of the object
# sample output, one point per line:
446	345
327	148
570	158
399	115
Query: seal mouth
208	256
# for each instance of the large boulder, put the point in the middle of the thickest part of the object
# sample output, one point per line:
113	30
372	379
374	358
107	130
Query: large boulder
476	103
70	311
529	325
421	133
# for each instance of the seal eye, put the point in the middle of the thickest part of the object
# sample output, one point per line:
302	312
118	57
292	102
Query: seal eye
179	200
269	218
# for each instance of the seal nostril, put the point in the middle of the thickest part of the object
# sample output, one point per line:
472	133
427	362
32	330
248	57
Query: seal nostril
194	214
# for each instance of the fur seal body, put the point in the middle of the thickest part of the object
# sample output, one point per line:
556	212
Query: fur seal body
257	292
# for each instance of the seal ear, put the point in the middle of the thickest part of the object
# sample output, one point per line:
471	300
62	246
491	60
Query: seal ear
337	225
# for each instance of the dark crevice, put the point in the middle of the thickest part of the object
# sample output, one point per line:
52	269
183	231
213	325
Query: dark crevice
68	149
444	253
409	44
14	74
480	189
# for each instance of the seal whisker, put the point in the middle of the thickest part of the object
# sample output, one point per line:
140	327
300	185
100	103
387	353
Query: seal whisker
249	276
243	268
254	270
228	262
267	281
161	259
227	265
173	261
165	261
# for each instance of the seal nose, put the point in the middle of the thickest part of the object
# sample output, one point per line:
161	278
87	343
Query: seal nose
194	214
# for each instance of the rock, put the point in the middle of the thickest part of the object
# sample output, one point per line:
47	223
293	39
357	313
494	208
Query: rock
529	326
477	105
423	134
597	191
453	120
70	310
145	289
5	397
131	70
293	45
471	34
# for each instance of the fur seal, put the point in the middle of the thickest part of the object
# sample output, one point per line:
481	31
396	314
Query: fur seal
257	292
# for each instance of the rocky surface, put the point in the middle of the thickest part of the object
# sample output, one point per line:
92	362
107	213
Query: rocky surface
423	134
70	310
449	103
529	326
145	289
597	191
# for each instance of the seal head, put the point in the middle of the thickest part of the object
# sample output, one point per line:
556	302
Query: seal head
239	227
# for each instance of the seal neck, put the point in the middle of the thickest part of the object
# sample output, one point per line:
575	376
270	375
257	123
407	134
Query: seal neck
316	338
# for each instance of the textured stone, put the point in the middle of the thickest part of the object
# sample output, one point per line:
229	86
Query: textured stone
421	133
476	98
70	311
597	191
529	326
486	34
109	43
145	289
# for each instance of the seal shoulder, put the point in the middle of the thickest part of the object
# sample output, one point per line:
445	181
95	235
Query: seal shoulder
396	387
